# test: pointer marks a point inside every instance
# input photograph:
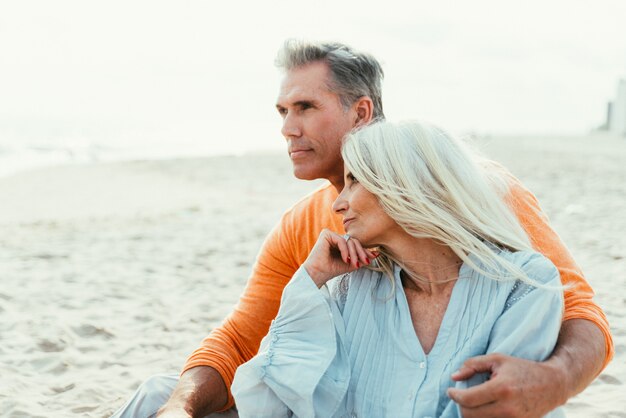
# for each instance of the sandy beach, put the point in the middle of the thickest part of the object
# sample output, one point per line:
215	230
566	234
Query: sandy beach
114	272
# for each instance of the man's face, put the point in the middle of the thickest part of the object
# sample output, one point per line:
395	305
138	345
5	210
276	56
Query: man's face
314	123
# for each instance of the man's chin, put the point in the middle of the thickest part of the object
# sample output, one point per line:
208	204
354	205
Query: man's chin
305	174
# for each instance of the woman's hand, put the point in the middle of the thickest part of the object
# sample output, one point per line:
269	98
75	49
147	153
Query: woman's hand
333	255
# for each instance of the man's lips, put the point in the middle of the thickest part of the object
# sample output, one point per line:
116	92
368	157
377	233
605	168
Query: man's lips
298	153
346	222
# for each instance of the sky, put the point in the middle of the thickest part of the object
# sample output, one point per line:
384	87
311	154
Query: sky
200	74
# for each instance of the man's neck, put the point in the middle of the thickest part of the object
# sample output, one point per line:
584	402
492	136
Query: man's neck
337	183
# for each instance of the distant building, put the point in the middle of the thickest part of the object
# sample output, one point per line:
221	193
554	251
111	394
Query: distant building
616	111
609	111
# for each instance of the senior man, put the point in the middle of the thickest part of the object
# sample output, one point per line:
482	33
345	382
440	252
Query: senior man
327	90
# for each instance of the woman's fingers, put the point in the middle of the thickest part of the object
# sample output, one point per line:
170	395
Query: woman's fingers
371	254
365	260
350	251
342	246
354	257
359	256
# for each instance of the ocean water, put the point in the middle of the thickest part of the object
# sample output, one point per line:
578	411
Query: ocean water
27	144
19	157
15	158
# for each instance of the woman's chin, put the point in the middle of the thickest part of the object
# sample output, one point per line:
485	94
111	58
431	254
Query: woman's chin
353	235
362	240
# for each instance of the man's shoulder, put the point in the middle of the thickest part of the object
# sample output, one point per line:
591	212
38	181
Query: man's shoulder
302	223
321	198
313	212
496	168
515	193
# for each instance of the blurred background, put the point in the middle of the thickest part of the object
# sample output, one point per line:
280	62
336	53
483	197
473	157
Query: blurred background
84	81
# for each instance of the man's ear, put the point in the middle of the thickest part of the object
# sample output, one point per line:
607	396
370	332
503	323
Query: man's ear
364	109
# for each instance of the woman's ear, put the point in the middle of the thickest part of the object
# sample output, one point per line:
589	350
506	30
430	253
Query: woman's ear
364	109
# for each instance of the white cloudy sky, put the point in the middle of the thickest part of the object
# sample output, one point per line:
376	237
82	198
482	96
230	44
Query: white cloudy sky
202	71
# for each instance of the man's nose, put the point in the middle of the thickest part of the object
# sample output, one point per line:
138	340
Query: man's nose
291	127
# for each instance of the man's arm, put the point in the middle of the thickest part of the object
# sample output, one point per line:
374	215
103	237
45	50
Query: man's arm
199	392
578	295
581	351
522	388
208	373
204	385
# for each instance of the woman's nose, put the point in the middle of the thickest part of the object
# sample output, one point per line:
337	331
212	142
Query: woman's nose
341	203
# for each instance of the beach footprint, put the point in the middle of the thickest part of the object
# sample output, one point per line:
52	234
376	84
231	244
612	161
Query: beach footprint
90	331
611	380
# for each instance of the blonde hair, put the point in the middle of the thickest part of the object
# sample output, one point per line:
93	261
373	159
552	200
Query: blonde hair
435	186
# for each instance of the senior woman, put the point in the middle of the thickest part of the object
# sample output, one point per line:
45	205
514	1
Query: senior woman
434	269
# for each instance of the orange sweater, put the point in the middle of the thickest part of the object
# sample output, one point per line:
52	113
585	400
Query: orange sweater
237	340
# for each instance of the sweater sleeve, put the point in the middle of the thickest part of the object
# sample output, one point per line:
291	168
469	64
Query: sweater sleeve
301	367
579	303
238	338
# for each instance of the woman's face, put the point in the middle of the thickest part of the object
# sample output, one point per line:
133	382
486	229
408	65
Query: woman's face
363	216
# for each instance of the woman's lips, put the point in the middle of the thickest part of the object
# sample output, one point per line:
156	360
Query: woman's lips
346	222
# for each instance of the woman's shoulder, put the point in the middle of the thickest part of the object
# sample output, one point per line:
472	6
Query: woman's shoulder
534	264
544	279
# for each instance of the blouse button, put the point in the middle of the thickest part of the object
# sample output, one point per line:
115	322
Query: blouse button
422	364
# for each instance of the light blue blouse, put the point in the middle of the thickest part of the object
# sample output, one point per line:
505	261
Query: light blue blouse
350	349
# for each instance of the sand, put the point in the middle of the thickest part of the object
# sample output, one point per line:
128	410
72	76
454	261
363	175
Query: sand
114	272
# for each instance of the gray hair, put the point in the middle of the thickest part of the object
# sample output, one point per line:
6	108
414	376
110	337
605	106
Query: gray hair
354	74
436	186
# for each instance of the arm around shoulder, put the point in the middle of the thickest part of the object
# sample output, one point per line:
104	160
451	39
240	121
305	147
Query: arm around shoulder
200	391
523	336
578	295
